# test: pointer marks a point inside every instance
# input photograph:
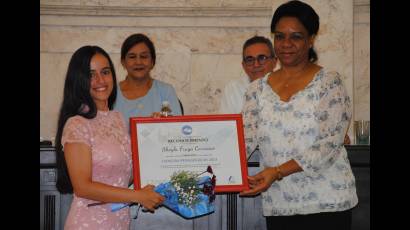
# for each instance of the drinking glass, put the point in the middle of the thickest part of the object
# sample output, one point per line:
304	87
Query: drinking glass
362	132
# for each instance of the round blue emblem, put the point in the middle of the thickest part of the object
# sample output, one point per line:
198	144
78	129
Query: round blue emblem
186	129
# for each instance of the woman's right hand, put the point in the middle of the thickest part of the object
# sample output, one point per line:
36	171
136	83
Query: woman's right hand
149	198
156	114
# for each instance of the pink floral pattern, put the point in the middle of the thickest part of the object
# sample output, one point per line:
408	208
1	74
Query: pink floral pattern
112	165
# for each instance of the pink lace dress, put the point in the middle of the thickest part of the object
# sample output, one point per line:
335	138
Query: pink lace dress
111	164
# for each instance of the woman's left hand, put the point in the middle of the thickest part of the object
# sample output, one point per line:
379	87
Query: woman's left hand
260	182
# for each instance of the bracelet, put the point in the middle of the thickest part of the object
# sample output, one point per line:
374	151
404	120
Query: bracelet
279	173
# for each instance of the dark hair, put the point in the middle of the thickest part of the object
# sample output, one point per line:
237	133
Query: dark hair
256	40
304	13
78	101
134	39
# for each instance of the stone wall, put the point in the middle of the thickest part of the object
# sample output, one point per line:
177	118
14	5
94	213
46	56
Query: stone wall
361	60
198	43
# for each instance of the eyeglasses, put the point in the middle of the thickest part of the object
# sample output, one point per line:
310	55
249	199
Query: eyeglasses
250	60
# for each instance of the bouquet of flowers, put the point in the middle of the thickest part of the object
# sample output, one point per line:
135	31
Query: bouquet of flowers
189	194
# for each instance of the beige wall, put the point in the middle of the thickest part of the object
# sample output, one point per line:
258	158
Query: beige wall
362	60
198	44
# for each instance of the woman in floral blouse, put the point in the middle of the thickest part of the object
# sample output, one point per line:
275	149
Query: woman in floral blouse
298	116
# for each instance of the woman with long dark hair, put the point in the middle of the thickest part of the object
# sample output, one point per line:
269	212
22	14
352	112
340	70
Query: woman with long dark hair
93	146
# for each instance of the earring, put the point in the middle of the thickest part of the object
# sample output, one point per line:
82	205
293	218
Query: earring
84	108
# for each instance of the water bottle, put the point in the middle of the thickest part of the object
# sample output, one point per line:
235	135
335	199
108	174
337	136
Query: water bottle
165	110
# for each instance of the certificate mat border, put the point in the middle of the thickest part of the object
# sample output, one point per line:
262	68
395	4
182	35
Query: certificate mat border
193	118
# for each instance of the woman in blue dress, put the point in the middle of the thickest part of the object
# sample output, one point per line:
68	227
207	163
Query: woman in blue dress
140	95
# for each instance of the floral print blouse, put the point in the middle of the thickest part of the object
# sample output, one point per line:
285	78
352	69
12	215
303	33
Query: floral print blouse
310	129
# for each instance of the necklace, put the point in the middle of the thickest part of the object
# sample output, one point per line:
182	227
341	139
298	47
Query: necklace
294	75
140	105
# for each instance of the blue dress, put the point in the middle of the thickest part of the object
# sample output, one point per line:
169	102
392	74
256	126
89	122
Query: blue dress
151	102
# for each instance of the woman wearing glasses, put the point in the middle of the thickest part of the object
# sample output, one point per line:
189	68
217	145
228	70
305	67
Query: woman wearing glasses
298	116
258	59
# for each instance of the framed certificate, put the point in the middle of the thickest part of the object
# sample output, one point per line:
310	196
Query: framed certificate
162	146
